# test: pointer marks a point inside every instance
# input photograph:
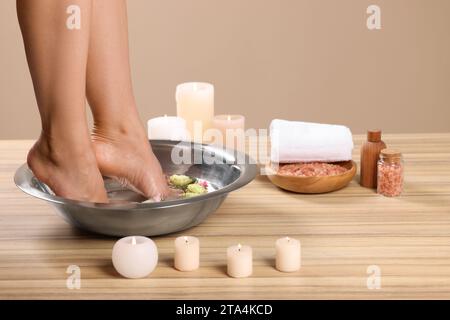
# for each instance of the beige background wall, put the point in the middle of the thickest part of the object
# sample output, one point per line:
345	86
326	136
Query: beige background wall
311	60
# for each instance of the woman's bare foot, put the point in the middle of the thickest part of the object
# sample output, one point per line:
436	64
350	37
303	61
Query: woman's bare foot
123	153
70	170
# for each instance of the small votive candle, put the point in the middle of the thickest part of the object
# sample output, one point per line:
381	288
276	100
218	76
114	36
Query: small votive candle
167	128
187	253
231	125
239	261
288	254
135	256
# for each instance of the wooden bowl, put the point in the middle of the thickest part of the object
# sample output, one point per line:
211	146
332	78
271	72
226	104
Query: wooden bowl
318	184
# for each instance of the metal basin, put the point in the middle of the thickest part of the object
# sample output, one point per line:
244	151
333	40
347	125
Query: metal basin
129	213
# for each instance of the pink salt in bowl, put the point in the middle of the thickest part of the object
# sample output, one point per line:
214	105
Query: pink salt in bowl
313	184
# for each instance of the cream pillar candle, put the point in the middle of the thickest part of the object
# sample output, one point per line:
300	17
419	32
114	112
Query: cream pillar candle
195	104
288	253
135	256
231	125
167	128
187	253
239	261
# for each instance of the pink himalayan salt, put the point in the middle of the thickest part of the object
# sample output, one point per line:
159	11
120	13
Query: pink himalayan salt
390	179
311	169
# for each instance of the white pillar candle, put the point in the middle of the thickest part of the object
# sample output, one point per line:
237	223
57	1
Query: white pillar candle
167	128
233	126
195	104
135	256
288	254
239	261
187	253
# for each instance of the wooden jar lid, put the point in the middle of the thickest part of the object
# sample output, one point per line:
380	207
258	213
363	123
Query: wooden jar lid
374	135
390	154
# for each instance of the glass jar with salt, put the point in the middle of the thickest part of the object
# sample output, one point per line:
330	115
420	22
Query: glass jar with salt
390	173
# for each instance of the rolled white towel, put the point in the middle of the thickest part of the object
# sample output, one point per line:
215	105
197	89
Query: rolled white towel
295	141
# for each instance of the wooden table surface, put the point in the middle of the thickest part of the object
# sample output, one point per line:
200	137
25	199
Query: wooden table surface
342	234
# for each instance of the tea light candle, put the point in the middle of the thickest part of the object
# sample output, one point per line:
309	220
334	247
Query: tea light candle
288	253
239	261
135	256
167	128
187	253
234	124
195	103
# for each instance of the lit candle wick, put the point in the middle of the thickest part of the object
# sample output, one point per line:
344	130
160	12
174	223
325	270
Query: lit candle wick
133	241
239	247
288	239
228	117
186	239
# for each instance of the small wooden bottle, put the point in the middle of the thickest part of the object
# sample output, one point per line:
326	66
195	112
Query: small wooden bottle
370	153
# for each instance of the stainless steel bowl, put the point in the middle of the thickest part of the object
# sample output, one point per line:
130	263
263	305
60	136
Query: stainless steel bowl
129	213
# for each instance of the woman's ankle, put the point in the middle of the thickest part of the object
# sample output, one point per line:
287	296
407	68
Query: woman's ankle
60	149
112	129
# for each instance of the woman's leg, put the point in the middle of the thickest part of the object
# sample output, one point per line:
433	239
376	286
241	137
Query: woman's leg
63	156
119	138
